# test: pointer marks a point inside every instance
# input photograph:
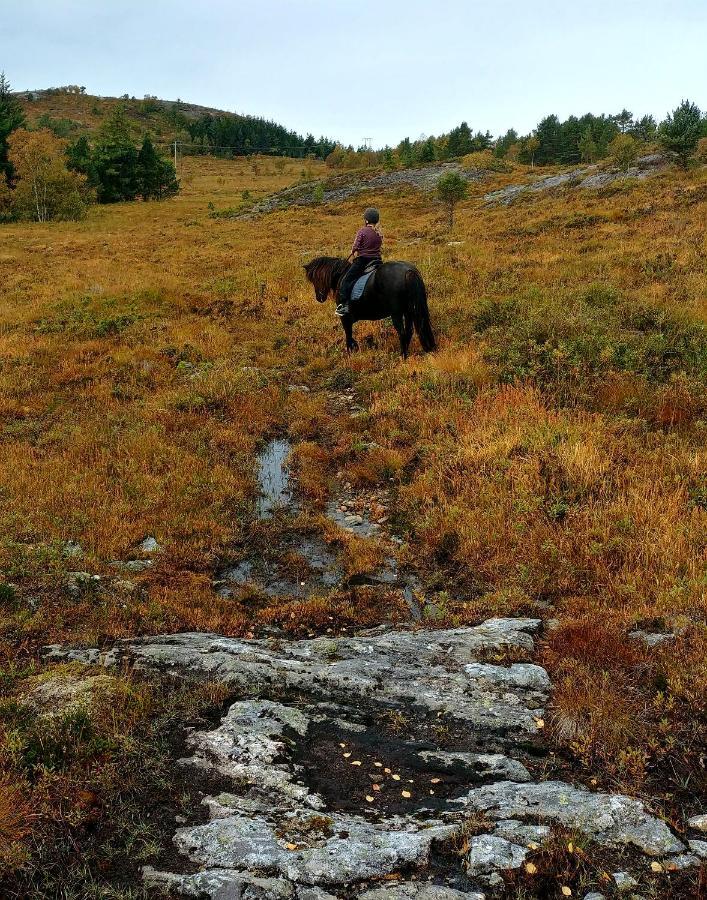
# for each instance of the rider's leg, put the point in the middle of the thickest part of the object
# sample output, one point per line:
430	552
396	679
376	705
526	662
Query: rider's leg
347	282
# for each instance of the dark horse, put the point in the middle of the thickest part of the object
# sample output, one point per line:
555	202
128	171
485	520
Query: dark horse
395	290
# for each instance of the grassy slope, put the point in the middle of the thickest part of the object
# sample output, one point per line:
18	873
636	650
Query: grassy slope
552	452
85	113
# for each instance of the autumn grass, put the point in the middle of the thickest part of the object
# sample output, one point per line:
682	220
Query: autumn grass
549	460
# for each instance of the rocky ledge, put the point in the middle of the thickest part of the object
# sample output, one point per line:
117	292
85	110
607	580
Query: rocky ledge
390	765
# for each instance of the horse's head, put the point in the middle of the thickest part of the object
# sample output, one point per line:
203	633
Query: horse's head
324	273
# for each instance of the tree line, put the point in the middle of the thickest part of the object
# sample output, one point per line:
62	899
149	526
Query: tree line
44	177
235	135
583	139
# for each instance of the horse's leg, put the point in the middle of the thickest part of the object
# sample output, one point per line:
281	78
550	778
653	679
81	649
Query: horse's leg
347	324
400	328
407	333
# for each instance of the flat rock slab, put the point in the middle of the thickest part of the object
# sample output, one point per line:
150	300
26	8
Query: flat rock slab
358	759
424	668
610	819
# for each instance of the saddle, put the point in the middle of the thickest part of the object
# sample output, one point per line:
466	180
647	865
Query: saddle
360	284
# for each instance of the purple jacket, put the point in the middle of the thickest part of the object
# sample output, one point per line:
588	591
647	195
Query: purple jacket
367	242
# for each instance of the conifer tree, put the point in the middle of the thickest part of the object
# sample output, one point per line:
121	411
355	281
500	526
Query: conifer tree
681	130
114	161
11	118
587	146
451	188
155	176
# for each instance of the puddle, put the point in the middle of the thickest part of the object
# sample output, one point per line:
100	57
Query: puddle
301	566
273	478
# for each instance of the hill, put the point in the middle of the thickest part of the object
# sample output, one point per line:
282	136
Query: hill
185	446
70	113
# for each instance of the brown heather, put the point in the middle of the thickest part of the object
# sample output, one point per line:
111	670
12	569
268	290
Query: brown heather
549	459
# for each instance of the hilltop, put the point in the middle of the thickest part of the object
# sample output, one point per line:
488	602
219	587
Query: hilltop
70	113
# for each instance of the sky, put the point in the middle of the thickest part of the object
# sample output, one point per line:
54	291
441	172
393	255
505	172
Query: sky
355	70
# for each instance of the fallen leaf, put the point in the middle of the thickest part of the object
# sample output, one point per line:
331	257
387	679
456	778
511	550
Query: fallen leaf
540	723
656	867
378	765
566	891
369	799
531	868
291	846
431	792
342	745
356	762
533	846
435	780
570	847
376	787
346	755
387	770
396	777
406	793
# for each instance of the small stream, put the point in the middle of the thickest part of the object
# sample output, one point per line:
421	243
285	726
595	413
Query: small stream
301	563
273	478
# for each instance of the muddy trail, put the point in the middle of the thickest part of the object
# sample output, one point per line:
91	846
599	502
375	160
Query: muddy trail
398	761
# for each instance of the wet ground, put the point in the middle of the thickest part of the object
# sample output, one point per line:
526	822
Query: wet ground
298	563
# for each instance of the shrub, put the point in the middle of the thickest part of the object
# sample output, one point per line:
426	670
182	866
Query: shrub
623	151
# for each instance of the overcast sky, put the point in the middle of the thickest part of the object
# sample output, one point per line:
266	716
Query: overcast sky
351	70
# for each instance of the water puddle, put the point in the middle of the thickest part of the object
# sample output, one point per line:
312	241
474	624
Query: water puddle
273	478
299	567
301	564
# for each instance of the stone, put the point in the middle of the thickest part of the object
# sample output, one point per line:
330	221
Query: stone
518	675
651	639
133	565
624	882
149	545
480	765
594	896
425	668
610	819
352	849
284	828
225	884
419	891
681	862
489	853
515	831
247	745
72	548
699	823
699	848
424	179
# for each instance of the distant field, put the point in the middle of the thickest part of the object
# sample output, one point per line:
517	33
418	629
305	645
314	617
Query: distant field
550	459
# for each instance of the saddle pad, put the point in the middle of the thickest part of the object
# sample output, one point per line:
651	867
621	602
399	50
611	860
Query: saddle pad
360	285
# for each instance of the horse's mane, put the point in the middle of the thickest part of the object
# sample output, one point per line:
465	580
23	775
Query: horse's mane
325	271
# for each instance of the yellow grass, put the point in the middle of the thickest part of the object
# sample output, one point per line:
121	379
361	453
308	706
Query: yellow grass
146	352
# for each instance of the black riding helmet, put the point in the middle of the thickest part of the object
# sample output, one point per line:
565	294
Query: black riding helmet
371	215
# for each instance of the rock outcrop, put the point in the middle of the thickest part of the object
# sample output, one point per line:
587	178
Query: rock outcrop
359	759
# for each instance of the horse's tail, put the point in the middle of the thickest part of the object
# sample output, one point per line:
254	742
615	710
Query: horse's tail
420	312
